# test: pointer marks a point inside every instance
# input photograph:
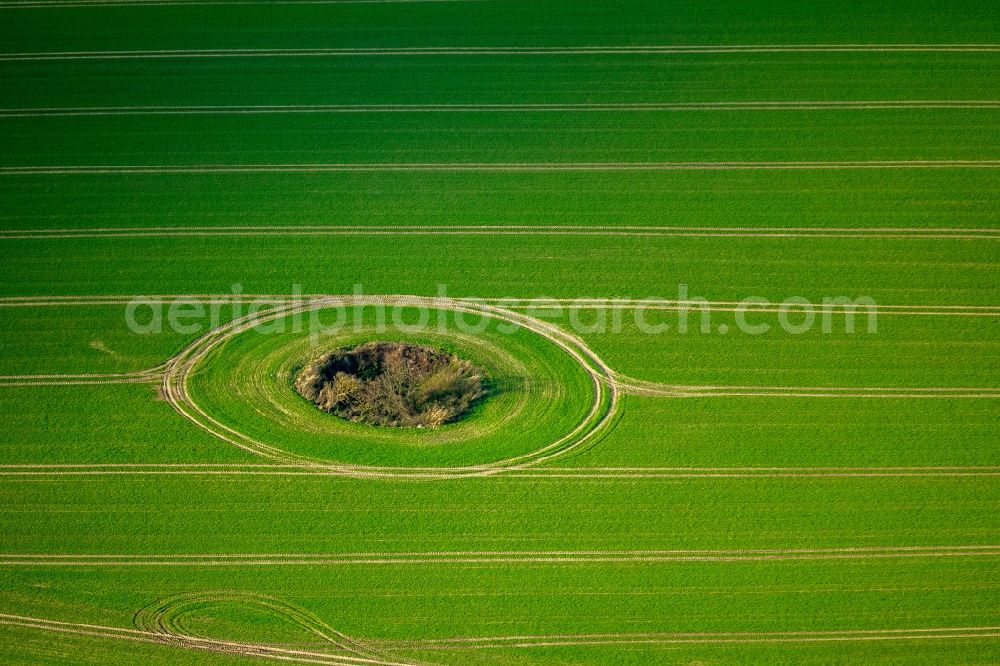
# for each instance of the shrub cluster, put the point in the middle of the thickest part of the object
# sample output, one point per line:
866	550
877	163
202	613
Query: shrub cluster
392	384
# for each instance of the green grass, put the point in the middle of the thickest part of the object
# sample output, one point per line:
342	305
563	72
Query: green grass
403	601
32	648
408	602
890	271
243	383
963	198
783	432
515	22
500	138
511	79
539	394
904	350
324	515
91	339
102	424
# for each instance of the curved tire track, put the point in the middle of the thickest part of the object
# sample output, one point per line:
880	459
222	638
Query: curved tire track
605	390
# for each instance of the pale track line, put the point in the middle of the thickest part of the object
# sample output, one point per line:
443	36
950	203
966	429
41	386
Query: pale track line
151	375
494	227
773	309
818	632
657	389
513	303
510	553
100	301
192	642
582	473
270	466
555	640
555	559
500	50
710	639
747	307
500	167
500	557
161	617
510	230
779	392
82	382
319	297
667	638
260	109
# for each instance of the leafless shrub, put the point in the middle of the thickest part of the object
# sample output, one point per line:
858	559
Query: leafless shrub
392	384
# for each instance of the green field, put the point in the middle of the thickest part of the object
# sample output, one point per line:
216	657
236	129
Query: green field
594	202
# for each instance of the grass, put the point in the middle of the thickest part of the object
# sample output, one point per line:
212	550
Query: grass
501	138
905	350
89	339
316	515
512	80
852	199
36	648
243	382
542	394
410	602
70	424
501	23
891	272
793	432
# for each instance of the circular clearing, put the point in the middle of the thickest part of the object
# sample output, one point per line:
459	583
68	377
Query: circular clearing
549	394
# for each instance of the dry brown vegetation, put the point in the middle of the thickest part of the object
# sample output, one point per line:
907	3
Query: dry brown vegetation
392	384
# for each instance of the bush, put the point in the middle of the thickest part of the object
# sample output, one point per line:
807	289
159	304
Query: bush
392	384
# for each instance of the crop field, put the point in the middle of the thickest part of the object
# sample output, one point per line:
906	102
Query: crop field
729	273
